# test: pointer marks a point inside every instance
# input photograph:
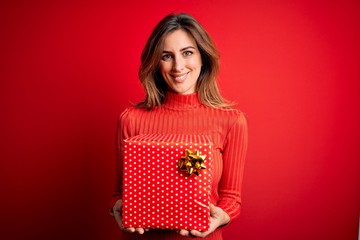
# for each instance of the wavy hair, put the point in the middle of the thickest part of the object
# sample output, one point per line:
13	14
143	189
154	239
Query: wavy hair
151	78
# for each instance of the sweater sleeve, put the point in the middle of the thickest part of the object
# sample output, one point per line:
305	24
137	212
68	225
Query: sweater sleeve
123	131
234	152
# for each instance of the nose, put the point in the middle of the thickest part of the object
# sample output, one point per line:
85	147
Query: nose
178	64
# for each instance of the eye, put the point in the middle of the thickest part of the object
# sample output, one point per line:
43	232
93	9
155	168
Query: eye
166	57
188	53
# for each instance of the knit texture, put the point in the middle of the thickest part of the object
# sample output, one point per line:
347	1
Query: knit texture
184	114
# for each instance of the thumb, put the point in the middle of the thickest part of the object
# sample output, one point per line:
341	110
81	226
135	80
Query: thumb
213	209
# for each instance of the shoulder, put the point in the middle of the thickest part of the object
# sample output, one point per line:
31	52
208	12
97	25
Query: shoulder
231	114
130	113
225	118
236	118
236	125
230	111
232	119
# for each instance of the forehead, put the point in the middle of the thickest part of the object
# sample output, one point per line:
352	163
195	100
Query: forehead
177	40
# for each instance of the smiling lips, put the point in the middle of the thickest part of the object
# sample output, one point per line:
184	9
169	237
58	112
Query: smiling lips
179	78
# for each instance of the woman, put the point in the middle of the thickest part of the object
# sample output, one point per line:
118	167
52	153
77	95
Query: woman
178	71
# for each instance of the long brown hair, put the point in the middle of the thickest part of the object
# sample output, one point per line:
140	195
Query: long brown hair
151	78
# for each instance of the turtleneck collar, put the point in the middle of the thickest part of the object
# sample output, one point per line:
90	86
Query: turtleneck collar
181	101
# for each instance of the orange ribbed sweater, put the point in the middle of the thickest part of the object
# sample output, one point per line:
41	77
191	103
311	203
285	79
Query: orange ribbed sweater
184	114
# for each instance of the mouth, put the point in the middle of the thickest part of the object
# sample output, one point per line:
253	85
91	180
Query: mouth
179	78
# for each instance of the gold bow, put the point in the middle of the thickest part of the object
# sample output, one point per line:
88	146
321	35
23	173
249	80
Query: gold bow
192	162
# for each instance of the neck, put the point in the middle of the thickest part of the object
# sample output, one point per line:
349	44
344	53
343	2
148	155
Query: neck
181	101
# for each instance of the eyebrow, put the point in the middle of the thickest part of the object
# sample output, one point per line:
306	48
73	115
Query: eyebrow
181	50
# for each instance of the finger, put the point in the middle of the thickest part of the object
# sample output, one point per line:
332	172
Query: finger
184	233
213	210
111	212
130	230
117	216
199	234
139	230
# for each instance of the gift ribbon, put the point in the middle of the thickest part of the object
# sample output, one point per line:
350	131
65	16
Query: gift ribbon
192	162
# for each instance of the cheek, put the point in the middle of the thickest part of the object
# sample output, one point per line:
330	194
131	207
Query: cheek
165	67
196	63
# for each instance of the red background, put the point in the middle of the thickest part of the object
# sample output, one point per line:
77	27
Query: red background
68	69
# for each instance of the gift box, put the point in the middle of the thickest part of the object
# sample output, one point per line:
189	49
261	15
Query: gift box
167	181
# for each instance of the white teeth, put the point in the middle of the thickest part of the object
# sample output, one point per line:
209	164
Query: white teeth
180	78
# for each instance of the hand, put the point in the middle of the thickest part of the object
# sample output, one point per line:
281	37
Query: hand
116	213
218	217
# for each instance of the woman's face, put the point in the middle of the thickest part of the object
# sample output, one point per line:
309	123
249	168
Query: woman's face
180	63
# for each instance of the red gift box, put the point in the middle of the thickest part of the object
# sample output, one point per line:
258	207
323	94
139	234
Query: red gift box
158	192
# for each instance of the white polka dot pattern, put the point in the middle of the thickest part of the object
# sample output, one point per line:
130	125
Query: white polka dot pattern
156	194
